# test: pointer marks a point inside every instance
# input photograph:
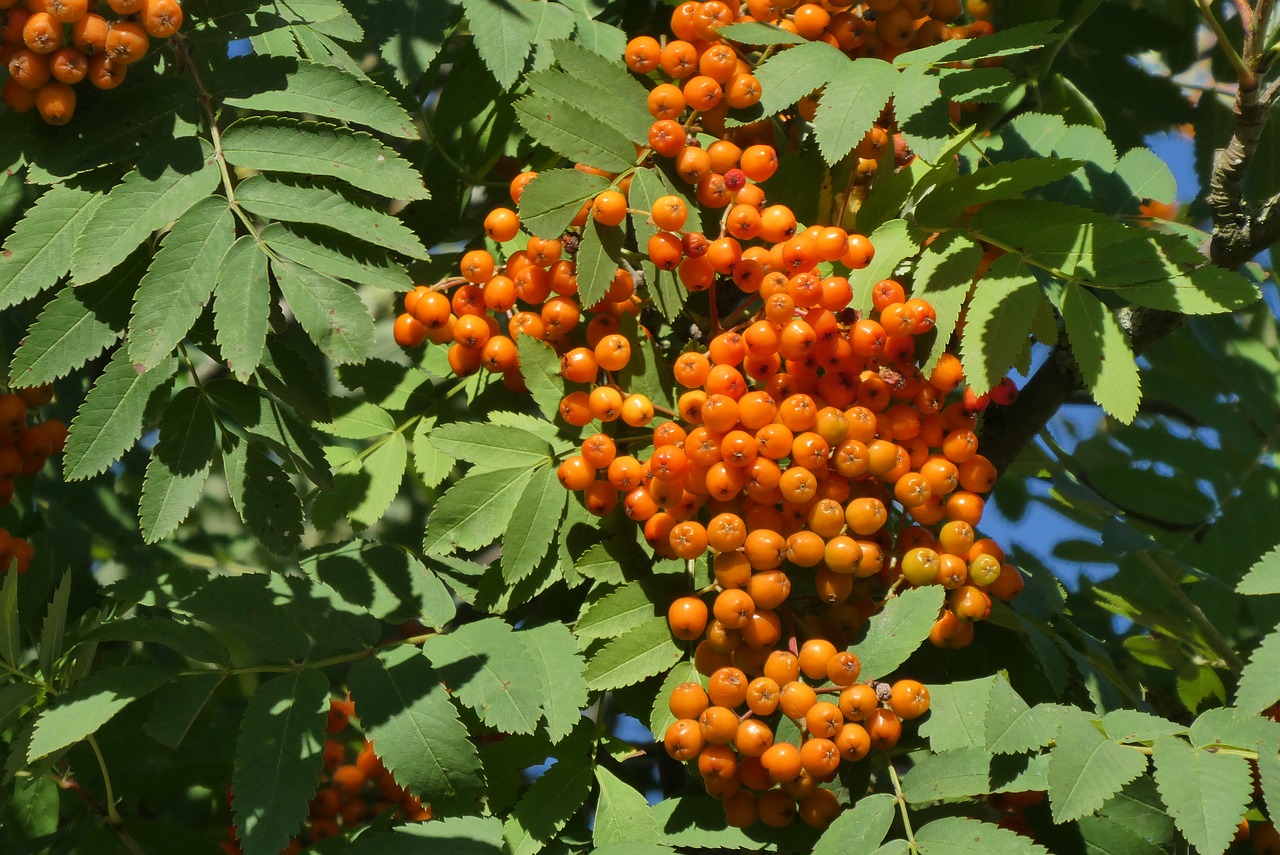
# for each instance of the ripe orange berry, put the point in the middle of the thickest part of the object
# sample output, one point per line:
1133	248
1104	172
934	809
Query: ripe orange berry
161	18
687	617
683	740
814	656
42	33
409	331
502	224
609	208
127	42
909	699
782	761
68	65
29	69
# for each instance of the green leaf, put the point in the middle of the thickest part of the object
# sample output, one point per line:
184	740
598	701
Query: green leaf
432	464
623	815
1012	178
551	201
922	113
574	134
284	84
1099	346
897	631
475	511
788	76
547	805
1086	769
160	190
647	185
602	72
179	465
274	144
415	39
337	254
266	420
461	835
487	668
332	313
263	496
190	640
640	652
323	205
279	755
553	650
532	527
364	487
756	33
604	106
894	241
362	421
75	326
503	34
1015	728
111	419
615	613
955	835
242	306
178	705
489	447
943	276
1006	42
10	628
163	114
180	280
385	581
997	320
957	713
415	728
1258	688
1264	576
859	828
977	85
55	626
850	105
37	253
541	369
1136	726
91	703
1206	793
599	254
957	774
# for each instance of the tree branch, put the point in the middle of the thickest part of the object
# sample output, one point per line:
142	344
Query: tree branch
1240	232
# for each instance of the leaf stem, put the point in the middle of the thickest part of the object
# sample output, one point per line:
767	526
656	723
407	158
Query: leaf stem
1216	639
215	135
902	807
328	661
35	681
113	816
1243	72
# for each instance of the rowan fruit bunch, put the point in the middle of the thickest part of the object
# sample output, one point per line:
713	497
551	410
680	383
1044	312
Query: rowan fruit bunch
354	787
51	46
822	457
26	444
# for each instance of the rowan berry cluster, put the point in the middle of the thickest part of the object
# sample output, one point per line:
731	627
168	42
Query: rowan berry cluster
354	788
51	45
25	447
809	442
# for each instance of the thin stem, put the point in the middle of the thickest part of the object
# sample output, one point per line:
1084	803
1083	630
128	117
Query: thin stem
339	659
902	807
1216	639
215	135
113	816
1256	29
1243	72
35	681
